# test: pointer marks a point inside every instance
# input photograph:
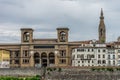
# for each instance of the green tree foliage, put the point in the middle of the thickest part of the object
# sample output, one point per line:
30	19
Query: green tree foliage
37	77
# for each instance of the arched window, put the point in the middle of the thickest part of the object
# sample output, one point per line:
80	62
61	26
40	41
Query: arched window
36	59
62	36
26	36
44	55
51	55
51	58
36	55
44	59
62	33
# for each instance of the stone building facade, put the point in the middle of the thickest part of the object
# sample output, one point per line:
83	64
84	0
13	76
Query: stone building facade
41	52
48	52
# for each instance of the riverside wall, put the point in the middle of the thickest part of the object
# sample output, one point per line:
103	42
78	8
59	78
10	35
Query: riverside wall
19	72
64	74
85	75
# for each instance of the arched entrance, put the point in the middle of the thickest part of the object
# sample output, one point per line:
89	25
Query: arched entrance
44	59
37	59
51	59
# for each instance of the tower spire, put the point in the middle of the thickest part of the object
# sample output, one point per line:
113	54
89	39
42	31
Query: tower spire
101	12
102	29
101	16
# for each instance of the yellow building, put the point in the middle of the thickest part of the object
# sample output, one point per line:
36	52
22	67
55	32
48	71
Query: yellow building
4	59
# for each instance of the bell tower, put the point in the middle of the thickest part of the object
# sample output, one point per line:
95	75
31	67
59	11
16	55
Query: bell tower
63	49
26	35
102	29
62	34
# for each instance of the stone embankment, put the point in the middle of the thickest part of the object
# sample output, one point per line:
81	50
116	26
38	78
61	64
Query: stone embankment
83	74
64	74
18	72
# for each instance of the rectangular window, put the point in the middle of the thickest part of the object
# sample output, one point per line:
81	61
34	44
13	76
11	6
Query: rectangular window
92	50
113	56
25	53
82	56
99	51
16	62
80	50
104	62
92	56
25	61
88	50
108	56
62	61
99	56
17	53
92	61
103	56
99	61
109	62
88	56
78	56
62	53
44	46
104	50
114	63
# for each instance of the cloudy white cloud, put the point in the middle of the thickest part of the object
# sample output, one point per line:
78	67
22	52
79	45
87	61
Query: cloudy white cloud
81	16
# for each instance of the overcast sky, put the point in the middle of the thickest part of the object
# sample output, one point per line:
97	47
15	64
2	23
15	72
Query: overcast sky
44	16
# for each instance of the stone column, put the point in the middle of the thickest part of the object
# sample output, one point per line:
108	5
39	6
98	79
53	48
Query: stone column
12	58
40	62
21	56
48	64
31	59
56	58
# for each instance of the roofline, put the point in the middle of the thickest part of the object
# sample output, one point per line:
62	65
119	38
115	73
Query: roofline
26	29
44	39
64	28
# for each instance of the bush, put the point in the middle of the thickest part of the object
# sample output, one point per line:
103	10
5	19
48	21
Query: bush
54	69
38	76
110	69
15	78
49	69
98	69
103	69
118	69
59	69
93	69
